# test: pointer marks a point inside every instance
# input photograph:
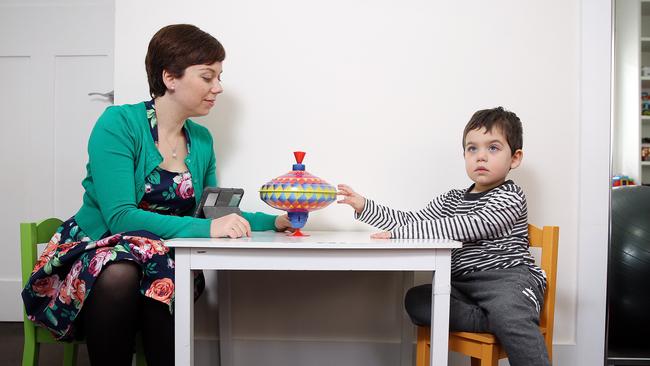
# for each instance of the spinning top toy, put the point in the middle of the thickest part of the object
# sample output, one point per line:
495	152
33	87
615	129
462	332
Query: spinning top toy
298	192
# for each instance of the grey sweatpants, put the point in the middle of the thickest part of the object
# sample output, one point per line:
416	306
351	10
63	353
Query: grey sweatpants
504	302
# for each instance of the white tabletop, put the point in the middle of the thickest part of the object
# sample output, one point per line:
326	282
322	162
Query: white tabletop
315	240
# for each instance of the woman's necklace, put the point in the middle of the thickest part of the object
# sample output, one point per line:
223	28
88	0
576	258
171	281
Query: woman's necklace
173	147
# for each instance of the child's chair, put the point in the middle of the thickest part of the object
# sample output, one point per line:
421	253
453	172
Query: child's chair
483	348
31	234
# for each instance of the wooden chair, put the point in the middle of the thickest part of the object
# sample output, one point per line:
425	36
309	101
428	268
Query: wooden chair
483	348
31	234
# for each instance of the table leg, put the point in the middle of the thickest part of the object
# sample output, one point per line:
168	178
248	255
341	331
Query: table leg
441	288
225	327
406	349
183	309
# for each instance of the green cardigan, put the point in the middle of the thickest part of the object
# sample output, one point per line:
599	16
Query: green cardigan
121	154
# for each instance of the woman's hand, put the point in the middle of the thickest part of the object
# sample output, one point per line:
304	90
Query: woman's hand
282	223
351	198
231	226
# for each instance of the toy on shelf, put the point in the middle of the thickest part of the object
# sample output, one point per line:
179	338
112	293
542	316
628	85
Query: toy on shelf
298	192
645	104
645	153
622	180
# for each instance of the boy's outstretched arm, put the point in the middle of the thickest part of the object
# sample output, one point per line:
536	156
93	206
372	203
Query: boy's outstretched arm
496	219
386	218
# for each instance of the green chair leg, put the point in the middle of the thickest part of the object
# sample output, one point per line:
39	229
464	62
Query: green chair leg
70	354
139	351
28	234
139	359
30	349
30	353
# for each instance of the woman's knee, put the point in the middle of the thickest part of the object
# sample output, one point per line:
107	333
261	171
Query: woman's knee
118	279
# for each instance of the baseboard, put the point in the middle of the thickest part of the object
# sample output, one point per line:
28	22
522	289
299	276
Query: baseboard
290	352
11	304
565	354
254	352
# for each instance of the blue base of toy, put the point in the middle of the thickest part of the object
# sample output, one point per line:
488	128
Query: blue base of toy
298	219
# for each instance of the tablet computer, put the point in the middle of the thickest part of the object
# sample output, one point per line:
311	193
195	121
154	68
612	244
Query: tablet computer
216	202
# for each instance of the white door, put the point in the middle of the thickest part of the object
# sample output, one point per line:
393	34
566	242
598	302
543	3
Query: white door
52	54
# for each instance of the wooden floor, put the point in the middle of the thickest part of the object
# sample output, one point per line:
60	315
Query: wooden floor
11	348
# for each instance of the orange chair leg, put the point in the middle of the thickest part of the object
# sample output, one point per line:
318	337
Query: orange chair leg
422	353
489	356
427	355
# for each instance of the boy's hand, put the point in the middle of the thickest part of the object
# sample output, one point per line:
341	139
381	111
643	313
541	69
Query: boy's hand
351	198
381	235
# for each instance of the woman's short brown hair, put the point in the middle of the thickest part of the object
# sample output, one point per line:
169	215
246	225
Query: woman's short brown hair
174	48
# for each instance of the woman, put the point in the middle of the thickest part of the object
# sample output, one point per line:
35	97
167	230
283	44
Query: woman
106	273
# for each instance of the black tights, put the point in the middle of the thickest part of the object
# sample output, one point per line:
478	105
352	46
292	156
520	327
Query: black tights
115	310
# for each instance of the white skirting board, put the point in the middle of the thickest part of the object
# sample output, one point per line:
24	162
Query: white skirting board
11	305
254	352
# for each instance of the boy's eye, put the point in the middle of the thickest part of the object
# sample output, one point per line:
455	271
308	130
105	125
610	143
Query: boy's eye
470	148
493	148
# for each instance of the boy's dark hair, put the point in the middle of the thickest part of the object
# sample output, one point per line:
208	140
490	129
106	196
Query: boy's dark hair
174	48
499	118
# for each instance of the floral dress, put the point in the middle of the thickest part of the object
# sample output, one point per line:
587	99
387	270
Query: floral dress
71	262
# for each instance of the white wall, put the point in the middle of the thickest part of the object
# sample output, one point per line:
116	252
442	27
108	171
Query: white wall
594	181
626	129
377	93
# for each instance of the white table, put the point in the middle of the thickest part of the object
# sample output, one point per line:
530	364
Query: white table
321	251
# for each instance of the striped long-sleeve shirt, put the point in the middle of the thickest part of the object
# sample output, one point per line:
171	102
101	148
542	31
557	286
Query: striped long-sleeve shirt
492	225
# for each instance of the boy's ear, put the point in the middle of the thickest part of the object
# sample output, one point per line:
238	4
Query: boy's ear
516	159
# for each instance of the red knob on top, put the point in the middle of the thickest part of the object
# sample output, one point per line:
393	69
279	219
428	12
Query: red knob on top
299	156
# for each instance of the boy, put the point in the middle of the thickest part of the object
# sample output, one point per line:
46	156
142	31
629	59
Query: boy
496	286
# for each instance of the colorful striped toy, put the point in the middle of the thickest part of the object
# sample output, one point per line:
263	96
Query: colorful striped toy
298	193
